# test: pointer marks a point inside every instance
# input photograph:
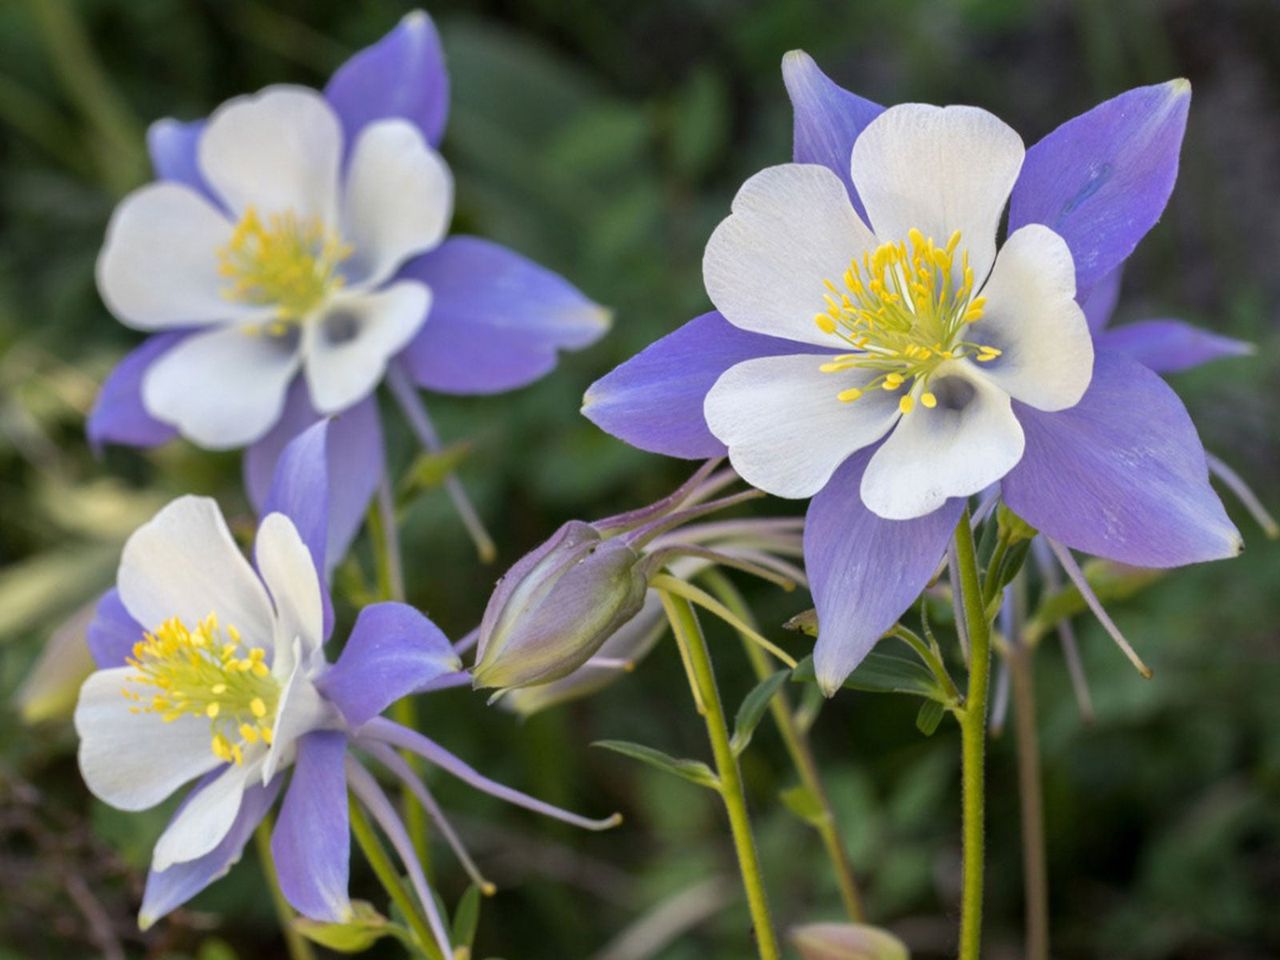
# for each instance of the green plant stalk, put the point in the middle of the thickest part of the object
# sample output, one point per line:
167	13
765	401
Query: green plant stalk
389	876
973	735
798	749
1031	800
702	681
390	579
298	946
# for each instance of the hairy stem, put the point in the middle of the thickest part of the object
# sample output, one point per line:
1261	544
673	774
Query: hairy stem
798	749
973	734
702	680
297	945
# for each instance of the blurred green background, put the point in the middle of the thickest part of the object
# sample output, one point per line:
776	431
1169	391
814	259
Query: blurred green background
605	139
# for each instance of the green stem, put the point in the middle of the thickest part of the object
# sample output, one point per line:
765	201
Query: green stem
973	734
1031	799
930	658
388	875
702	680
797	744
390	577
296	943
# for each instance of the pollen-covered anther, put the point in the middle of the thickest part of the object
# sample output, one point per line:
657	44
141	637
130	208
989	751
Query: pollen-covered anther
286	262
206	672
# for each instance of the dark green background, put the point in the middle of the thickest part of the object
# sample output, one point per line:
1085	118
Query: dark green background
605	139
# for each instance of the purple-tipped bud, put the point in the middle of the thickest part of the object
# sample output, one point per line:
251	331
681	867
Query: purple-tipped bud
847	941
557	606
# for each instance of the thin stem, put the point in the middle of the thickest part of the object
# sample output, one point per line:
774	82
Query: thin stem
973	734
702	680
415	413
687	591
387	875
1031	799
798	749
930	657
298	946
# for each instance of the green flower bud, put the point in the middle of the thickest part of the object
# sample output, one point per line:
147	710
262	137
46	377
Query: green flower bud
557	606
847	941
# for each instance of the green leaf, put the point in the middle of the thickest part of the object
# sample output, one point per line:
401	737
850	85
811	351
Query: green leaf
695	771
365	928
804	803
884	673
806	623
467	917
752	710
430	470
1110	581
930	715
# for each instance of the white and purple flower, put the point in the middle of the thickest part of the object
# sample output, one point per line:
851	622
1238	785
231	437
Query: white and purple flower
213	669
873	348
293	252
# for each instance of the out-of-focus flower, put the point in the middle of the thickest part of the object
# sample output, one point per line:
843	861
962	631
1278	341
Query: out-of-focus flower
50	689
847	941
577	610
212	668
292	249
920	382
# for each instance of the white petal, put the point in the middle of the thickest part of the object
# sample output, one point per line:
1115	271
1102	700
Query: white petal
134	760
398	202
792	228
204	821
969	441
301	710
785	429
183	563
348	346
225	388
159	264
277	151
290	574
1031	315
938	169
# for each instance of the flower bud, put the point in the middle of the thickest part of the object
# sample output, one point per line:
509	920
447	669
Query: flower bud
847	941
557	606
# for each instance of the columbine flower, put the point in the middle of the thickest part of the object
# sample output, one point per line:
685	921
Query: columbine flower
873	349
292	248
212	668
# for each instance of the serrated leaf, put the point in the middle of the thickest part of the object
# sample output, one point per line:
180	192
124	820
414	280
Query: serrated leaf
466	919
930	715
695	771
802	802
883	673
752	710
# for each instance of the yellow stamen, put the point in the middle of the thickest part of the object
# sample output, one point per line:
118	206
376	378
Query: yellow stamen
906	404
928	399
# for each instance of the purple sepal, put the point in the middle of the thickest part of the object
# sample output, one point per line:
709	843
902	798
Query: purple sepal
1122	474
112	632
865	571
1101	180
172	888
497	319
354	457
654	400
1169	346
828	119
118	415
173	146
1100	304
402	75
393	651
311	844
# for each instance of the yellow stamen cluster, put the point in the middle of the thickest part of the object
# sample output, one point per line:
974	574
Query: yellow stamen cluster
903	310
206	672
285	262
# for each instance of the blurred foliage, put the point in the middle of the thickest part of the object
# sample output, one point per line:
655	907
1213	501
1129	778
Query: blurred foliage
605	140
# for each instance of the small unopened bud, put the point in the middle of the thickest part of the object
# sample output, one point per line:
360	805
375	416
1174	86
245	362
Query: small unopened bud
557	606
847	941
1012	526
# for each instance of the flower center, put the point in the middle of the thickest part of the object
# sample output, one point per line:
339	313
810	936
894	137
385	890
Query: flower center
904	310
206	672
286	262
